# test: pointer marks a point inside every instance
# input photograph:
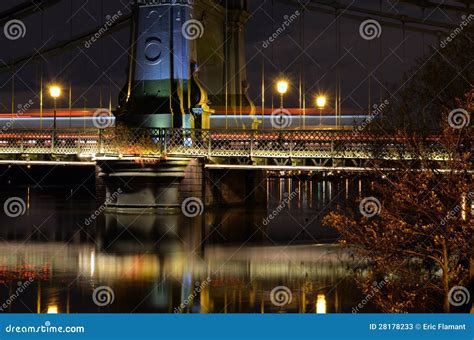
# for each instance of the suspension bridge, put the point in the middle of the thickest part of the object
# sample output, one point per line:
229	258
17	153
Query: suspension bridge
173	85
185	104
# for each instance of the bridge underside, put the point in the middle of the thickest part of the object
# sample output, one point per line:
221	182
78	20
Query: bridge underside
238	163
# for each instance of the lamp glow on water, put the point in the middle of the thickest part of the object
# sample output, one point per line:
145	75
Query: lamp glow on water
53	309
321	304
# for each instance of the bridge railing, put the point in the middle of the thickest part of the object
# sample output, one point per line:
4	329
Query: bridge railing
293	144
64	142
213	143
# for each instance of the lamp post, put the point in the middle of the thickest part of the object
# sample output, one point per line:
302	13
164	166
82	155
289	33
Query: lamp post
282	88
321	104
55	92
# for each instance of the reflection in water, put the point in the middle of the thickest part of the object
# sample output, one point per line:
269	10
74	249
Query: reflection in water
321	304
226	261
52	309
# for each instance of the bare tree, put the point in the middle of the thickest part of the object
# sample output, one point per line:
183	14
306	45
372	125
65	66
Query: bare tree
432	85
416	228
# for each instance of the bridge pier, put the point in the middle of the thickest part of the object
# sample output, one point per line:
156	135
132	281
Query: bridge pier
216	187
161	187
134	187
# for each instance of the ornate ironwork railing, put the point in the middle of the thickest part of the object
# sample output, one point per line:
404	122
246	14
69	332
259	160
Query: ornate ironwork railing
214	143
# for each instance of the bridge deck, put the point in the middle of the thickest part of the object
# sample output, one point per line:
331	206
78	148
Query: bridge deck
90	144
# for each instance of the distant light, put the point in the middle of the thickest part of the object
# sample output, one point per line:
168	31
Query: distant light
321	102
53	309
282	87
321	304
55	91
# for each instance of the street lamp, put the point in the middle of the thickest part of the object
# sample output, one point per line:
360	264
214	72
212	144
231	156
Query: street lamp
55	92
321	104
282	88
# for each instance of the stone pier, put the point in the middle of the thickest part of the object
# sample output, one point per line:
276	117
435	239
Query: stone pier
223	188
162	186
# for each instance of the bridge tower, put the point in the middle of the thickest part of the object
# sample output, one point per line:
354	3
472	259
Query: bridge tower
221	56
186	58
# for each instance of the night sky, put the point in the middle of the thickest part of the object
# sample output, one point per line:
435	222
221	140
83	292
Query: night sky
387	55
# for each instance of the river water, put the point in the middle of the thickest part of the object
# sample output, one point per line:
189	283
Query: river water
225	261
